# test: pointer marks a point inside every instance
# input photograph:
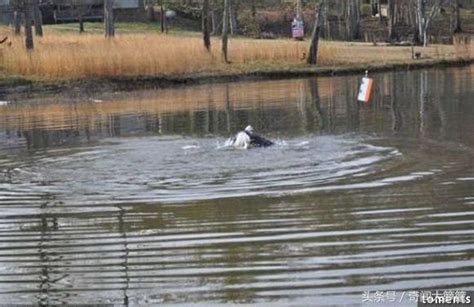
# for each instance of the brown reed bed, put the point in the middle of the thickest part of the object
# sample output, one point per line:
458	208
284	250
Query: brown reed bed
63	55
72	56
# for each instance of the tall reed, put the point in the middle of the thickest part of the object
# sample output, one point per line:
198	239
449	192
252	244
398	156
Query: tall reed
71	55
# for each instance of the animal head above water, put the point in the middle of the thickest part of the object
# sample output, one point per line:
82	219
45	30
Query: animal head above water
249	129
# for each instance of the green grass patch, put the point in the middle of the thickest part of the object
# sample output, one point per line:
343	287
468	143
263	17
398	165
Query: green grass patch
123	27
13	80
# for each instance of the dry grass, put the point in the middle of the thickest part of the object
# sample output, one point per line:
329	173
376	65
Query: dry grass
70	55
464	45
349	53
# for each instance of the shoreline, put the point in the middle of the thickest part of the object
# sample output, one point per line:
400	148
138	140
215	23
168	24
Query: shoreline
19	87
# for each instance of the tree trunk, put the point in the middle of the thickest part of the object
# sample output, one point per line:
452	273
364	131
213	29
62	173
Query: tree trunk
380	12
233	18
17	21
213	23
162	17
253	10
357	19
205	25
423	20
299	9
325	24
151	12
342	19
38	18
457	17
391	21
374	10
313	47
420	11
415	22
225	30
353	20
28	8
165	20
81	24
81	21
109	18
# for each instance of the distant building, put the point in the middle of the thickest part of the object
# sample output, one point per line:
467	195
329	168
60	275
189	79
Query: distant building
6	12
67	10
57	11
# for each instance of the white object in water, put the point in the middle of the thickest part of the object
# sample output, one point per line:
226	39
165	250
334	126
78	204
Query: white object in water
242	139
4	102
365	88
246	139
186	147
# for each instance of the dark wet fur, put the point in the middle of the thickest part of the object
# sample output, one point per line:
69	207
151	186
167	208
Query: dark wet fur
258	141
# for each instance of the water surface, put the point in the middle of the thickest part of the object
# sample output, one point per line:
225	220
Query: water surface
135	199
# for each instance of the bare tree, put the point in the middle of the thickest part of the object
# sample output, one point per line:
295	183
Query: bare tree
18	7
38	18
313	47
225	30
457	16
162	17
151	11
213	22
379	7
353	19
391	20
414	22
253	10
81	9
17	22
374	10
81	24
299	9
205	25
233	17
424	19
28	8
109	18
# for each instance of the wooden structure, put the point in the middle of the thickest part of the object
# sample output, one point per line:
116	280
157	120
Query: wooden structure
59	11
68	10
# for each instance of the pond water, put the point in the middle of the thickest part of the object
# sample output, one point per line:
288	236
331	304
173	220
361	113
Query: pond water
133	198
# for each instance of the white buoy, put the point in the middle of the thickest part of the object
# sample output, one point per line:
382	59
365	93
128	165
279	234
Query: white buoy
365	91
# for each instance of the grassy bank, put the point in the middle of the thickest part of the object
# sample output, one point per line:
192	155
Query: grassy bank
66	55
144	58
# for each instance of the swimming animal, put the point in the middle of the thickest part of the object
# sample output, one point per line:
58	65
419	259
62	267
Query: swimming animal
248	139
